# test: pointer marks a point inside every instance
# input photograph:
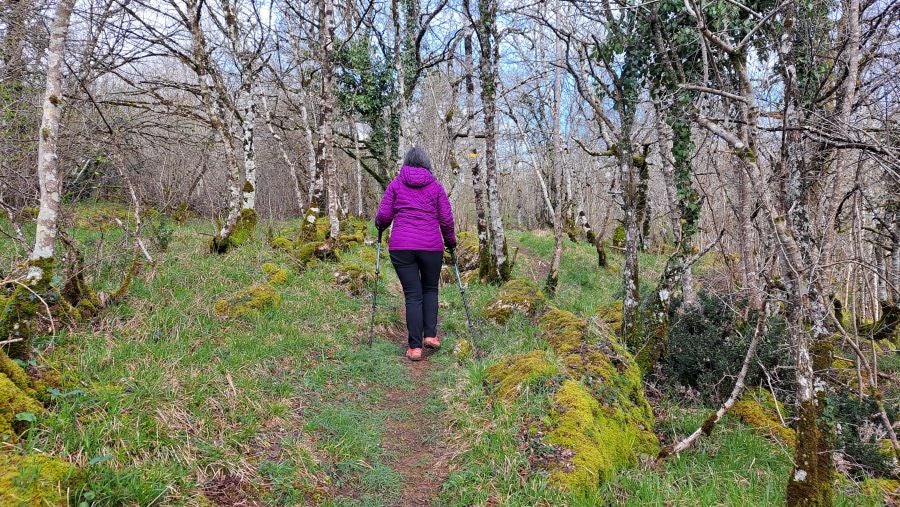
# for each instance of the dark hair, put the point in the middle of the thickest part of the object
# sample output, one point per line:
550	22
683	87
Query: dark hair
416	157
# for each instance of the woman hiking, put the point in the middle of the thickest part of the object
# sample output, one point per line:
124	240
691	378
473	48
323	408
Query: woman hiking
418	206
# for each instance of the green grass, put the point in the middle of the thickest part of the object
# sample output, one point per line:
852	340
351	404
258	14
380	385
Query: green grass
161	396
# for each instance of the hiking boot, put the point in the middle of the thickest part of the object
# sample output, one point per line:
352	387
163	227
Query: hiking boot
414	354
432	342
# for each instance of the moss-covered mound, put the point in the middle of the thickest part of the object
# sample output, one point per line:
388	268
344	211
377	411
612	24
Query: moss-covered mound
245	301
602	438
598	420
516	295
757	408
466	258
514	372
34	480
311	241
609	376
356	279
274	274
17	395
611	315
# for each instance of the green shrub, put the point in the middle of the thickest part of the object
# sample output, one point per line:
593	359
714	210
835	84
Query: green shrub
858	432
707	345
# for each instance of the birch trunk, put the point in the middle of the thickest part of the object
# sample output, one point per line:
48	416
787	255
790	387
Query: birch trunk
248	124
555	159
316	184
354	131
49	176
326	120
215	113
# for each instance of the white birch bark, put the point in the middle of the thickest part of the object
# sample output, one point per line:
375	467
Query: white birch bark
326	121
248	126
49	175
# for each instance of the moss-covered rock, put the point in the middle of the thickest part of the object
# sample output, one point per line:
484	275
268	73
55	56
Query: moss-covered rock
601	441
611	315
356	279
757	408
14	400
510	374
602	416
281	243
274	274
35	480
516	296
248	300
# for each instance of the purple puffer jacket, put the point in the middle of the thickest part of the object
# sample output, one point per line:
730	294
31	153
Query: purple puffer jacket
418	206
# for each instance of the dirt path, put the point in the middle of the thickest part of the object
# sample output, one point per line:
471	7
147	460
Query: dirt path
414	440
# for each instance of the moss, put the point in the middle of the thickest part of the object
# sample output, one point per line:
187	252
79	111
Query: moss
367	254
600	440
133	270
35	480
563	330
515	295
248	187
29	212
274	274
281	243
466	252
355	278
315	228
521	369
756	408
463	350
20	307
248	300
14	400
102	216
316	250
611	315
352	238
881	488
15	374
244	228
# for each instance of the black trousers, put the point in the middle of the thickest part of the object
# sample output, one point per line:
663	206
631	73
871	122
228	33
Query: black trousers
419	272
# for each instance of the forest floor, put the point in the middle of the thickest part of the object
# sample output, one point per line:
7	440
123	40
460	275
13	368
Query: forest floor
166	403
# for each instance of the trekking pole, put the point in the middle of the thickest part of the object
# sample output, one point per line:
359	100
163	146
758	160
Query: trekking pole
375	287
462	291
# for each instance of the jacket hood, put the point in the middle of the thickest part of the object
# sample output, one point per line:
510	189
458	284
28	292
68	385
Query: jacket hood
415	177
